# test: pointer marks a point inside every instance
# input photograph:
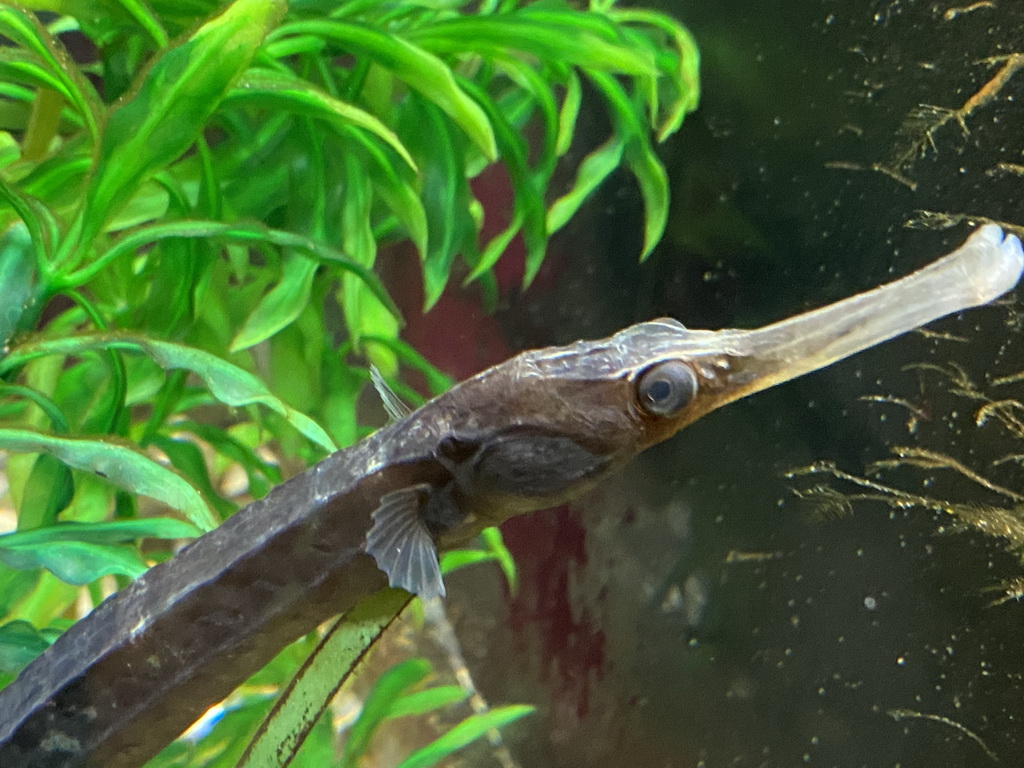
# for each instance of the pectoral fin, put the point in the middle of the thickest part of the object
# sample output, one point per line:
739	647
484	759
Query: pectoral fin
401	544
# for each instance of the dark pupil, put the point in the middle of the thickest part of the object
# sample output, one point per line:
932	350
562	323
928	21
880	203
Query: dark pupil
659	390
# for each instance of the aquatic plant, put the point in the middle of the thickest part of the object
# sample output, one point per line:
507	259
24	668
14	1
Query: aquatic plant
192	200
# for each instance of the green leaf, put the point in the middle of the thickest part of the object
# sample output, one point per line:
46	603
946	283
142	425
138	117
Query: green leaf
398	195
495	544
105	532
282	91
24	30
582	39
146	19
241	232
17	276
537	90
495	248
454	559
281	305
568	113
640	157
186	457
14	586
79	553
528	205
37	219
446	196
74	562
19	66
167	112
211	200
683	69
421	71
363	311
57	419
121	465
261	474
20	643
306	697
379	705
595	168
653	180
463	734
426	701
343	384
494	550
47	493
228	383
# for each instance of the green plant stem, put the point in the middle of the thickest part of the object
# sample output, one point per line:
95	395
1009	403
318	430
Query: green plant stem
42	124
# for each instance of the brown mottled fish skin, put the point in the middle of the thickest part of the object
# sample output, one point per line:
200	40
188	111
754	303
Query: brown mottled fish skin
533	431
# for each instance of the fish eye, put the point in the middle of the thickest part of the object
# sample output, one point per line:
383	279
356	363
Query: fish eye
667	388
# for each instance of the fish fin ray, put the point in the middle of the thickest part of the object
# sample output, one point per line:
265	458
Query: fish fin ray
395	406
401	544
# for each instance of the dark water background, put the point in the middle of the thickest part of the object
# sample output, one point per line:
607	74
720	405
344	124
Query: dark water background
640	639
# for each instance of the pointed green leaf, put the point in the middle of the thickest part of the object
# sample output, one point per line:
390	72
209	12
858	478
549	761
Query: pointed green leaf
528	203
495	544
454	559
261	473
446	195
186	457
653	180
124	466
582	39
14	586
20	643
146	19
426	701
26	31
363	311
595	168
682	68
74	562
47	493
526	185
228	383
463	734
167	112
306	697
211	198
18	66
282	91
245	232
282	304
104	532
539	92
379	704
17	276
495	248
640	157
58	421
568	113
420	70
398	194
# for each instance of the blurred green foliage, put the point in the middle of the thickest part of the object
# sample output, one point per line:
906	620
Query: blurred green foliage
191	205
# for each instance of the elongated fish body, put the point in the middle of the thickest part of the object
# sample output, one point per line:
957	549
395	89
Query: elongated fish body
531	432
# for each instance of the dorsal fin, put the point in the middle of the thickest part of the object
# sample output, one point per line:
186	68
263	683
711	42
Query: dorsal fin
396	407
